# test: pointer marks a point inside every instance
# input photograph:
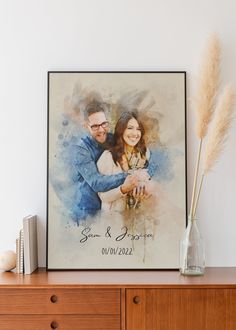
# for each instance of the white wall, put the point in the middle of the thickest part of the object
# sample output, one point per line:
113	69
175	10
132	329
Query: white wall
37	36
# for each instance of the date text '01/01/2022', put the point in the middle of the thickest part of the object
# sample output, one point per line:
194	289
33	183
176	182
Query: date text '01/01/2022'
117	251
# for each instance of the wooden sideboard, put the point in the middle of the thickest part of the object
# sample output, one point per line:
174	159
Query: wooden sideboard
112	300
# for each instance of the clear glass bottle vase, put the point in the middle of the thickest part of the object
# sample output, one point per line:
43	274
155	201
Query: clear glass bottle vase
192	250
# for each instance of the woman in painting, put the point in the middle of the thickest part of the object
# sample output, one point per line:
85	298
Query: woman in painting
128	153
146	210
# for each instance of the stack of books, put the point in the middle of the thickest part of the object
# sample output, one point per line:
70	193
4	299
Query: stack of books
27	246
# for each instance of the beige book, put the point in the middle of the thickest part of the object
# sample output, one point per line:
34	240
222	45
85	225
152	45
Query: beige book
30	244
18	255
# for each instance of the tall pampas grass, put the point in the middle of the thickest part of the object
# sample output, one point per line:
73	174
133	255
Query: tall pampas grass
209	81
209	110
214	116
218	133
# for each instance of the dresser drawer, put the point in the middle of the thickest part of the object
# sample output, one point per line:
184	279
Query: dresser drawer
59	301
60	322
180	308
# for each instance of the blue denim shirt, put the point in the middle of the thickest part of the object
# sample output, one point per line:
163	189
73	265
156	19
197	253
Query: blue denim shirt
89	180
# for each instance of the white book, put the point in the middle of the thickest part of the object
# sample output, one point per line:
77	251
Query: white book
30	244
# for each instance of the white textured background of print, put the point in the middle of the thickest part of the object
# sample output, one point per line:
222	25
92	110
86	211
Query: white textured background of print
65	249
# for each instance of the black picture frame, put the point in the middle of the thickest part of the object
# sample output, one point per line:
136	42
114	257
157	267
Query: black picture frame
146	237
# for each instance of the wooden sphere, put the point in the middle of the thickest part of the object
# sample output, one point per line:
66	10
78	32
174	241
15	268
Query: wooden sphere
7	260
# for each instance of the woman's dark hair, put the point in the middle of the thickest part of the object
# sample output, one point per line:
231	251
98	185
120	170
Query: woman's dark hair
118	148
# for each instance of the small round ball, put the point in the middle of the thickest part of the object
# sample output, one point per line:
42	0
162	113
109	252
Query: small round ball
7	260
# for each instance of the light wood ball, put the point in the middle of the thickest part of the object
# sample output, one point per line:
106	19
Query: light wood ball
7	260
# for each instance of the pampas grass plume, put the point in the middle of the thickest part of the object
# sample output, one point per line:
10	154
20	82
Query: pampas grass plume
220	127
209	80
208	85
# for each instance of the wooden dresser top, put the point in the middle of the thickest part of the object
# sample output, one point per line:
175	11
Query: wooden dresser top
213	277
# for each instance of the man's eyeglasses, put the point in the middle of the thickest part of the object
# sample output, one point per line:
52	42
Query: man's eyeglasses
95	127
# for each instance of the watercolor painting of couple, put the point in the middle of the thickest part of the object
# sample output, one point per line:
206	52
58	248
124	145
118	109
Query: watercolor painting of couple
116	194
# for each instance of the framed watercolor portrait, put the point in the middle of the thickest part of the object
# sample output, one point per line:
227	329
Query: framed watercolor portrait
116	169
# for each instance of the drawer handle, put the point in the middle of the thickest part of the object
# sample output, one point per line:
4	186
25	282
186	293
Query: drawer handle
54	325
53	299
136	300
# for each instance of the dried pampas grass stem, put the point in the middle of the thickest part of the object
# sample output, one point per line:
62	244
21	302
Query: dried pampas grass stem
218	133
205	99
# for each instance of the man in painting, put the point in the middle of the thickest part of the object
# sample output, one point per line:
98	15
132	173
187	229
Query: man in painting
89	180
